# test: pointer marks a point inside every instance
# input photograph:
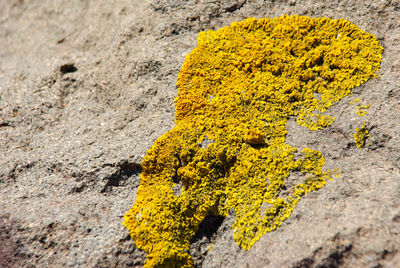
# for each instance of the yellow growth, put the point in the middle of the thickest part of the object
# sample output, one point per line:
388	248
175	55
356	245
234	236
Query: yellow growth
361	135
362	109
238	88
355	101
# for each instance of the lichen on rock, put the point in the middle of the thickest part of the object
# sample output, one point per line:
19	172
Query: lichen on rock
362	109
361	135
238	88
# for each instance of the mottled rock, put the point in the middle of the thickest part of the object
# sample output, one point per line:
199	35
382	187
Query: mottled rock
85	89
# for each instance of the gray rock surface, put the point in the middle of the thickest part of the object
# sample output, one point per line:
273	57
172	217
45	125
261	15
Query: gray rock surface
87	86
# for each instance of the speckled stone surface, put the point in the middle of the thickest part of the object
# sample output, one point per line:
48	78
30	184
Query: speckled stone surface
87	86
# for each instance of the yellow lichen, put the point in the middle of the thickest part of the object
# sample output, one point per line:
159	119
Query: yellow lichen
314	121
362	109
361	135
237	89
355	101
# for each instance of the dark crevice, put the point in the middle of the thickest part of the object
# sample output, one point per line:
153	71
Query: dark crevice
68	68
124	170
235	6
4	124
129	168
319	62
336	259
305	263
204	237
208	227
329	255
78	189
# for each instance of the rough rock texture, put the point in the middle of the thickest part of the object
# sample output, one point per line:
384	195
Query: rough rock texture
87	86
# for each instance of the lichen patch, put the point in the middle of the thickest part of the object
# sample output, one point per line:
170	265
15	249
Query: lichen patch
238	88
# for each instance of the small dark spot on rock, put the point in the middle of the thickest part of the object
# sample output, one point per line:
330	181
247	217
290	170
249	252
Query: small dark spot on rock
4	124
68	68
305	263
78	189
234	7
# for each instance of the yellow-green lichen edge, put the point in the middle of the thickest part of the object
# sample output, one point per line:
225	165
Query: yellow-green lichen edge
361	135
237	89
